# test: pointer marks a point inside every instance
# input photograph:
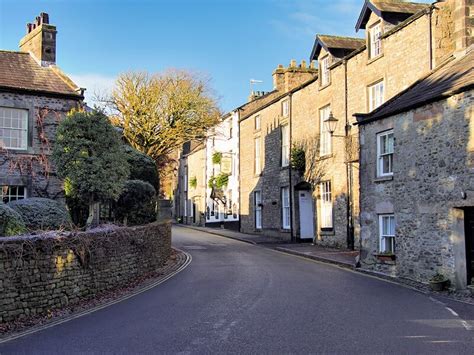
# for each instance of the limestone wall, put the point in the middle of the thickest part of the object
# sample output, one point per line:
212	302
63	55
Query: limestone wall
44	272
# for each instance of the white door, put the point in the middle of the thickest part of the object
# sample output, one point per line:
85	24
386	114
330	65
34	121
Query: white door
258	209
306	215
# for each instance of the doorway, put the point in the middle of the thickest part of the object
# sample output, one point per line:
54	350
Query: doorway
305	200
469	235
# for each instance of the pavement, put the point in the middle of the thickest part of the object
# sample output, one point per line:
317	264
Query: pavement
238	297
341	257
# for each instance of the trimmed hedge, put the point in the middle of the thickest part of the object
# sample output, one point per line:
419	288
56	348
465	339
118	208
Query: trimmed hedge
11	222
142	167
42	213
137	203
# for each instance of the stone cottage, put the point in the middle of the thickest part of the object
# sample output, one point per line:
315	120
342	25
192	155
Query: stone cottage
34	96
417	178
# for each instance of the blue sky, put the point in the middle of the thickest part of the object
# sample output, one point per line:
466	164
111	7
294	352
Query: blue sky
230	41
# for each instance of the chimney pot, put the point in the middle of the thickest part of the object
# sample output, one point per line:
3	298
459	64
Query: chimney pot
303	64
293	63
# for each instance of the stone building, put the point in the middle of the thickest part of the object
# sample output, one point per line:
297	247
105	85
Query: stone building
403	42
417	178
34	96
222	174
190	194
266	177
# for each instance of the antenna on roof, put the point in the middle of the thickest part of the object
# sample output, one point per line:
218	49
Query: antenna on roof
253	82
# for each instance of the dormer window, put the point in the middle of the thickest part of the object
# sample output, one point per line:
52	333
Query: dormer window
325	73
375	40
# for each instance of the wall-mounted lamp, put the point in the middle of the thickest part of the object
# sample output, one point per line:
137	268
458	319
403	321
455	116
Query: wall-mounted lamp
331	123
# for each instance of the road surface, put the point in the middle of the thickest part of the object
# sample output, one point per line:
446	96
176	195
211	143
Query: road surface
241	298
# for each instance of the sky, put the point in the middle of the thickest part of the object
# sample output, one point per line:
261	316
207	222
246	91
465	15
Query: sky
227	41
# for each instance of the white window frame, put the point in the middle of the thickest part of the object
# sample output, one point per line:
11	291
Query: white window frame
376	93
257	155
13	128
285	145
325	72
387	235
375	40
7	194
285	208
382	154
325	139
326	205
185	178
257	201
285	108
258	123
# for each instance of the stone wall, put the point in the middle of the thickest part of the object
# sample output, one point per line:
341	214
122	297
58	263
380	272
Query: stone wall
33	168
433	167
44	272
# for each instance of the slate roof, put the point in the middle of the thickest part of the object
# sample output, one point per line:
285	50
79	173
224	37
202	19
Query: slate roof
387	6
19	71
454	76
335	42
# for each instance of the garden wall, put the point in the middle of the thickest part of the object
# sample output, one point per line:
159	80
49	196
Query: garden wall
43	272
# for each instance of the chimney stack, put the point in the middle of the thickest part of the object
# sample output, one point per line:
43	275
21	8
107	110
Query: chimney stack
463	25
40	40
285	79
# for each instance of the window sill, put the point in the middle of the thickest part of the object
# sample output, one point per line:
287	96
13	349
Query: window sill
286	167
383	178
327	231
29	150
374	59
327	156
386	258
284	230
322	87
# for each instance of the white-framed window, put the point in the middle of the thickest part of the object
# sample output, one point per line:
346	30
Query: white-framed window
258	123
258	156
376	95
325	73
285	108
285	207
13	128
257	202
324	134
185	179
387	233
326	205
12	193
285	145
375	40
191	208
385	153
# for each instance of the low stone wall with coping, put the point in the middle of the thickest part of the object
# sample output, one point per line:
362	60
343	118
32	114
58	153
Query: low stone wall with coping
39	273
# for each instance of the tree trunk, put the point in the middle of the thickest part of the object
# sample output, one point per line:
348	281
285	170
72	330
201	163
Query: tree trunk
93	219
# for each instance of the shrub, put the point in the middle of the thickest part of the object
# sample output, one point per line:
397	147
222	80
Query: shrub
137	203
11	222
142	167
42	213
193	182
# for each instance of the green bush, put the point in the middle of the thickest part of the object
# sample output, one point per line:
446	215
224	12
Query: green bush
42	213
11	222
142	167
137	203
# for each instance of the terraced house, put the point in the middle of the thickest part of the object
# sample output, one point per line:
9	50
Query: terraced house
402	43
34	96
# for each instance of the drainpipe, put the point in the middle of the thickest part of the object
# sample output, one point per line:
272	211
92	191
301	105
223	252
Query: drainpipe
430	31
293	238
238	179
349	216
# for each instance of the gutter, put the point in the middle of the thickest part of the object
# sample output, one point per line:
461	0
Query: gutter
290	171
77	97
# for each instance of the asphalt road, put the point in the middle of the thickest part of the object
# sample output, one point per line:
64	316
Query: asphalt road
240	298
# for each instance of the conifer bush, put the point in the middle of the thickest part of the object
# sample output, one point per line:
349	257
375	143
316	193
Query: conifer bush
42	213
137	203
11	222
